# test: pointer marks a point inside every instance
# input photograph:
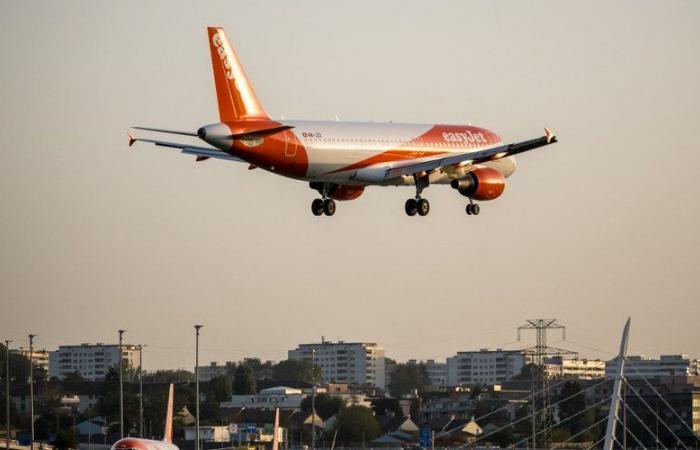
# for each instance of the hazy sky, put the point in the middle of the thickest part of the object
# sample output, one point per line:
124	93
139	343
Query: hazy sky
97	236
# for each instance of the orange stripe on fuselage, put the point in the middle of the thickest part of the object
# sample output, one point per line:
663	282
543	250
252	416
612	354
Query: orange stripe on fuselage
386	157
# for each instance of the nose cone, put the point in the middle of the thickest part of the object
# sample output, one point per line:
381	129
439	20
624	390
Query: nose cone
218	134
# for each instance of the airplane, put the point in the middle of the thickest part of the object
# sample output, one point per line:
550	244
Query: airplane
340	159
132	443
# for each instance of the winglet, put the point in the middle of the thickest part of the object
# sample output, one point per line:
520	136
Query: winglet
548	135
168	433
132	139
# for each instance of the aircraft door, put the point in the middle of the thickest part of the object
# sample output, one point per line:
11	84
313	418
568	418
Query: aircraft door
290	144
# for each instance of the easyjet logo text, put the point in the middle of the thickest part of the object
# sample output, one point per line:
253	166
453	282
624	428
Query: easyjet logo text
218	43
468	136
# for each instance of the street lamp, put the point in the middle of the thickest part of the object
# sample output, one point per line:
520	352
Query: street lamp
31	390
141	390
121	385
7	392
196	384
313	399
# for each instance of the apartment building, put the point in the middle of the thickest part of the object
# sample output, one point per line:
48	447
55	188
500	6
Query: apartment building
91	361
345	362
484	367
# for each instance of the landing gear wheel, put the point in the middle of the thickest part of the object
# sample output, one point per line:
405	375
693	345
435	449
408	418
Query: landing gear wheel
411	207
317	207
329	207
469	209
423	207
475	209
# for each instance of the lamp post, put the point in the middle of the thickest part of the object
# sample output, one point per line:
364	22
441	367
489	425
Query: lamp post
196	384
141	390
313	399
31	390
7	393
121	385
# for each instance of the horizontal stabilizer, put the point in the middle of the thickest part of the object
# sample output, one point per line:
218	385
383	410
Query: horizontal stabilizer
161	130
202	153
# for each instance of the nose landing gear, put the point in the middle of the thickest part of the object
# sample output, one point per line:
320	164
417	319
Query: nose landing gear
473	209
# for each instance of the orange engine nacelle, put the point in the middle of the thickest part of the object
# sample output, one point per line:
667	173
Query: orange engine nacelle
483	183
346	192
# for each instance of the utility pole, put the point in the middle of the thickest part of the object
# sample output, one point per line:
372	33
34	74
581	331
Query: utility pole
7	393
539	373
121	385
313	399
31	391
196	383
141	390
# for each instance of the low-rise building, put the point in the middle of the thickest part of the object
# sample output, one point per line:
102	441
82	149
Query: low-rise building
584	369
275	397
665	366
91	361
484	367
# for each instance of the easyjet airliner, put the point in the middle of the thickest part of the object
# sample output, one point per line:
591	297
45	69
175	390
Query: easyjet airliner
340	159
132	443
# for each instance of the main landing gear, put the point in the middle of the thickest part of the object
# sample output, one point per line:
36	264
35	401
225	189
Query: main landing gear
418	205
323	205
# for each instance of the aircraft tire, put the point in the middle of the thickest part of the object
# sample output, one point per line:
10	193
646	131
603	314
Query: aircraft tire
317	207
411	207
423	207
476	209
329	207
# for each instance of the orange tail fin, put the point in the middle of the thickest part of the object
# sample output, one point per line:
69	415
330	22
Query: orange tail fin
168	433
236	98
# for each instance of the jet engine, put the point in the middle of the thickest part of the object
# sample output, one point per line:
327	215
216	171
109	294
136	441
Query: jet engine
483	183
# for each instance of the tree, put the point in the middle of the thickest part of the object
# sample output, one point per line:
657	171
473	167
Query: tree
220	388
570	411
73	377
406	378
326	405
65	439
244	383
383	406
19	366
356	424
292	370
108	403
168	376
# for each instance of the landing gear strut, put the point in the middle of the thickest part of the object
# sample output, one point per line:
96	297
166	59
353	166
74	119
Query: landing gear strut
418	205
324	205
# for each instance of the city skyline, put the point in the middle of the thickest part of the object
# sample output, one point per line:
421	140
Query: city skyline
599	227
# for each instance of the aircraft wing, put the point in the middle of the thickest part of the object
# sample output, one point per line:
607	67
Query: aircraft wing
202	153
471	157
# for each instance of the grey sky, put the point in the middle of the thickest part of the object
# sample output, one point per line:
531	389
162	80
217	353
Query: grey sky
97	237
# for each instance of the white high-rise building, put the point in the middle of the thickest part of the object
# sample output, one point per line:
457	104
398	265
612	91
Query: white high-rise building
345	362
91	361
665	365
484	367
